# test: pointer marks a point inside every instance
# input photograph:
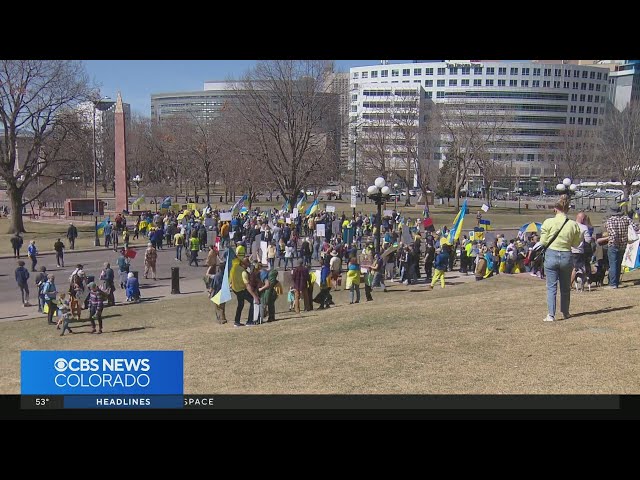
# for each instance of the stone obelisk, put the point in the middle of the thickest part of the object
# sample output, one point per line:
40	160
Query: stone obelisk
122	200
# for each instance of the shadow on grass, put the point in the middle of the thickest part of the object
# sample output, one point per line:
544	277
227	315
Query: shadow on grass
132	329
195	291
602	310
13	316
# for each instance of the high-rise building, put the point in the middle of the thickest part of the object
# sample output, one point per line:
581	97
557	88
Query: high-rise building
624	84
536	103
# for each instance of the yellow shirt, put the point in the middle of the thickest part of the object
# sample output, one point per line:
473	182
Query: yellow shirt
569	235
238	276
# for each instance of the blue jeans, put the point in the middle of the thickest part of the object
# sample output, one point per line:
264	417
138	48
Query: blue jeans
615	255
355	289
179	252
558	267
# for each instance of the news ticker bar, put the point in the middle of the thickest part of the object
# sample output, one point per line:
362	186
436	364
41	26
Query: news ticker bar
301	402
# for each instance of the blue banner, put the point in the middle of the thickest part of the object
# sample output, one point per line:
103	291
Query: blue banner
96	372
123	401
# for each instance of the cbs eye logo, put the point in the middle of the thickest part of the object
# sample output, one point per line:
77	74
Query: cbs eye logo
61	365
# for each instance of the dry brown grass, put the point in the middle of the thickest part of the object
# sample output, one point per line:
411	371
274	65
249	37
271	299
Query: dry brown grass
474	338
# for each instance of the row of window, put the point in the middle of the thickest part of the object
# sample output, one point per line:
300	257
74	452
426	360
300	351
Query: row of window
514	83
525	71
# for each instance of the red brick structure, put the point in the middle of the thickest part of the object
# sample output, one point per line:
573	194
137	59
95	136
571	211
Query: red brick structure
122	200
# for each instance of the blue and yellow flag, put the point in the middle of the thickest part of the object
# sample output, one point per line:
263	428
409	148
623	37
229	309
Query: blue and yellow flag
486	223
166	203
300	203
239	204
101	225
456	229
312	208
224	295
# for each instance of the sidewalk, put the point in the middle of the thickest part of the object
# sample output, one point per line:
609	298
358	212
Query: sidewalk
68	251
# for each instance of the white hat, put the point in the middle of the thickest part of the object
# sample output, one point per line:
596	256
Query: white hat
130	275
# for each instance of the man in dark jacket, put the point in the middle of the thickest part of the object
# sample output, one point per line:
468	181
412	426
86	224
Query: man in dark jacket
22	276
41	278
59	248
72	234
16	244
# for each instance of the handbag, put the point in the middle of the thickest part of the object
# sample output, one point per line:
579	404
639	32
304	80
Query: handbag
539	249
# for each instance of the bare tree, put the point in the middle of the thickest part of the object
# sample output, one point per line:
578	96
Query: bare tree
34	95
575	152
621	144
290	111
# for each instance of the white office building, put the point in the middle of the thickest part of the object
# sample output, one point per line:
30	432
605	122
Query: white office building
538	101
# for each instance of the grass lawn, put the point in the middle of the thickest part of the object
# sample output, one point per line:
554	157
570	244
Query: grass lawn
474	338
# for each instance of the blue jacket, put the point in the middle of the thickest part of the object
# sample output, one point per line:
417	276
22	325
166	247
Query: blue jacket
32	250
442	261
133	287
22	275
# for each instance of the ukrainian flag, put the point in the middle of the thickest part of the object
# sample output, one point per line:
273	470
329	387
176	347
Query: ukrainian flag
166	203
285	207
300	203
312	208
101	226
486	223
456	229
224	295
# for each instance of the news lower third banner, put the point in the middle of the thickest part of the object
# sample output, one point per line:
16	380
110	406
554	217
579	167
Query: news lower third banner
102	373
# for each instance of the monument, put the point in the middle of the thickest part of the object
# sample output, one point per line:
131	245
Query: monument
122	199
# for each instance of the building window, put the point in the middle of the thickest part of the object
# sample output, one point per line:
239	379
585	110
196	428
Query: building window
441	71
595	110
599	75
530	157
604	88
602	99
535	83
465	82
591	87
453	83
536	72
592	75
588	121
440	83
491	71
597	99
576	74
439	94
575	85
574	97
466	70
580	121
374	74
546	84
572	120
453	70
573	109
556	84
513	83
428	71
415	81
547	72
395	73
590	98
588	109
606	75
355	74
489	83
417	71
514	71
595	121
502	70
477	70
354	97
525	71
428	94
581	109
567	73
502	83
365	74
597	87
477	82
557	72
582	97
428	83
384	73
566	85
354	108
585	74
524	83
406	72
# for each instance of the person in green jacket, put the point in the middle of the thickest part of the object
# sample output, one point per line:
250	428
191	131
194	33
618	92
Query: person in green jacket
194	247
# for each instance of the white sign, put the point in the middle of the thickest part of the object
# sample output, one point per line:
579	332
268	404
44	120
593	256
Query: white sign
485	207
294	214
226	216
231	235
388	213
263	249
320	230
354	196
288	220
318	276
331	208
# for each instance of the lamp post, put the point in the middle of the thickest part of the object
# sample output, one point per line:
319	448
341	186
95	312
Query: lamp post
379	193
102	106
137	179
567	186
395	191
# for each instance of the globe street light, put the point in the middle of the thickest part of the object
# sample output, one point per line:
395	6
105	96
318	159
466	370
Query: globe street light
567	186
379	193
137	179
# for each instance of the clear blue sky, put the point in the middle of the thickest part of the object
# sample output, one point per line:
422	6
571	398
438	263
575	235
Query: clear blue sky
138	79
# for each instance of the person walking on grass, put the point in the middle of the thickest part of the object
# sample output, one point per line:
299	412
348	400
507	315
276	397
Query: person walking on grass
59	248
194	247
216	285
441	265
16	245
353	280
41	279
72	234
22	276
96	305
50	293
241	286
559	234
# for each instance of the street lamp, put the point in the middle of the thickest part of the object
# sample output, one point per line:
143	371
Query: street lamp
379	193
395	191
567	186
101	105
137	179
